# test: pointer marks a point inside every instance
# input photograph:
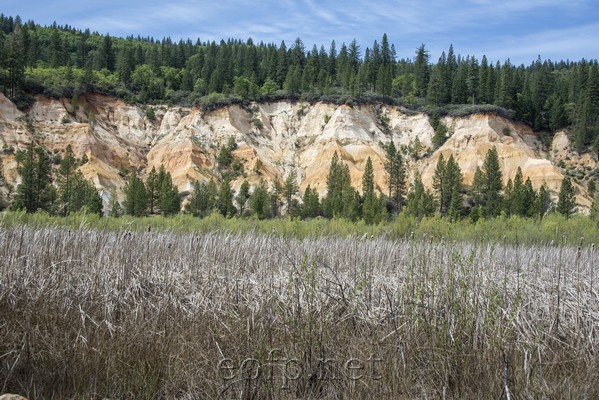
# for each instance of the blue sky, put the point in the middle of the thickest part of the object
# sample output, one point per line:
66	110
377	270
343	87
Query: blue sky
518	29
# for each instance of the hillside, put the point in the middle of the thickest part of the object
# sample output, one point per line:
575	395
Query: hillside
273	138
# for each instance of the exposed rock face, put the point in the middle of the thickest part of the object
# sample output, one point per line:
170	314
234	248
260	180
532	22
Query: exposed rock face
273	138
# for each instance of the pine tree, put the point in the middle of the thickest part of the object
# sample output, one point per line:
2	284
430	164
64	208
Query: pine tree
420	202
153	190
66	171
543	202
84	196
337	182
396	175
242	197
508	198
478	186
440	129
370	201
439	184
136	198
203	199
520	203
34	192
259	200
311	204
225	200
422	71
13	60
493	184
437	86
566	198
170	200
290	189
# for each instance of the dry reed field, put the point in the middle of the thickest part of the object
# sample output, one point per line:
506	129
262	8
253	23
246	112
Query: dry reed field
159	315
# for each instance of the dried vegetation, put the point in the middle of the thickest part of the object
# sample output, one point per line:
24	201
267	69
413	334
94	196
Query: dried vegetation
94	314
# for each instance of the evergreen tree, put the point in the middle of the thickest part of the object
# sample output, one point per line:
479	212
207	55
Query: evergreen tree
422	71
66	181
290	189
225	200
338	181
350	200
543	202
437	92
439	183
493	184
106	55
478	186
242	197
440	129
34	192
370	203
310	204
203	199
170	200
396	175
13	59
84	196
420	202
136	198
508	198
260	200
153	190
566	198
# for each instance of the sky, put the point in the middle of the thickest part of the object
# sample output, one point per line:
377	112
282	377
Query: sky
520	30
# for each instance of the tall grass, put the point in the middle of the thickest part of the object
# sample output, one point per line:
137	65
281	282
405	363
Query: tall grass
513	230
90	313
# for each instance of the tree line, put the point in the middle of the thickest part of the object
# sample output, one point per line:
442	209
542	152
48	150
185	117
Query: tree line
486	198
62	61
54	183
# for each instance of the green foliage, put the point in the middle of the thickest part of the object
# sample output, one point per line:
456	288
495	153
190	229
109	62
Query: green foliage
242	197
440	129
396	175
225	200
290	189
74	192
566	199
260	200
592	187
543	202
34	192
150	114
492	184
311	207
420	202
370	205
510	230
169	200
136	197
447	182
203	199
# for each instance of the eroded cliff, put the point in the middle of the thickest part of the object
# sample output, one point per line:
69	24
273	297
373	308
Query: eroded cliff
273	139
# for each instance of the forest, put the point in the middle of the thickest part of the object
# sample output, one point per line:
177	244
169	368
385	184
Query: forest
63	61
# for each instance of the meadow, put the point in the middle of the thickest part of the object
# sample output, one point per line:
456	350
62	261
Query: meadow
141	312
